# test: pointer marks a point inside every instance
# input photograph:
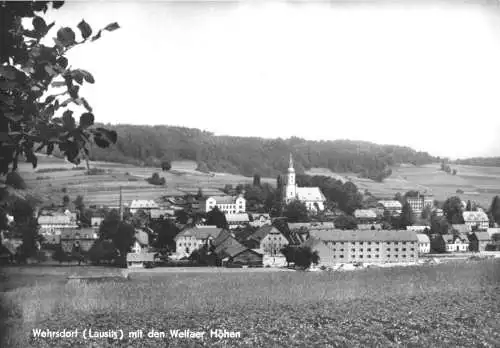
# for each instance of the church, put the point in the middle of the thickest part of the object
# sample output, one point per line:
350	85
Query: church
312	197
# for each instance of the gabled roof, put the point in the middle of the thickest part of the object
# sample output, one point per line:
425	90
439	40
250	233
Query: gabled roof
364	235
391	204
365	214
56	220
451	238
222	199
258	216
143	204
200	232
310	225
423	238
310	194
263	231
78	233
474	216
241	217
228	246
461	228
482	236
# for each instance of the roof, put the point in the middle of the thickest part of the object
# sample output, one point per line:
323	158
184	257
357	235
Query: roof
78	233
310	194
200	232
450	238
461	228
226	245
258	216
223	199
56	220
140	257
391	204
475	216
310	225
364	235
242	217
369	226
417	227
142	237
365	213
263	231
143	204
482	236
423	238
493	230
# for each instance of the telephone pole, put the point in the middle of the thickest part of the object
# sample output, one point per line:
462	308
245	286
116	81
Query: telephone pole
121	205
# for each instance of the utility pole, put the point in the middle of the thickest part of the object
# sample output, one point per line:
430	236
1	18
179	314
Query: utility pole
121	205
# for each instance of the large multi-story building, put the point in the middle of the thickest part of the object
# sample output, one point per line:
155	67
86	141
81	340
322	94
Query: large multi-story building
52	226
420	202
476	220
226	204
145	205
312	197
195	238
367	246
392	206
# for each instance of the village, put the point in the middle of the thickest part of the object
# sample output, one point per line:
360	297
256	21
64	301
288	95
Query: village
224	231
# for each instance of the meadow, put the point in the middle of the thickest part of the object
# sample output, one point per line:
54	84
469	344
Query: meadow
456	304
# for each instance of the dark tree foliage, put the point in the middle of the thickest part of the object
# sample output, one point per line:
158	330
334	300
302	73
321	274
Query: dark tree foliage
22	210
452	209
406	218
15	180
256	180
468	207
165	231
102	251
182	216
346	223
166	166
28	69
120	233
304	257
494	210
289	252
247	156
296	211
65	200
155	179
439	224
215	217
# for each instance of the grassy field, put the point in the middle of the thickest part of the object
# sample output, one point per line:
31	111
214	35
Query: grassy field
103	189
448	305
479	184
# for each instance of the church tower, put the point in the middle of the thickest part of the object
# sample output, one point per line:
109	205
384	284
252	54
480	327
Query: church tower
291	186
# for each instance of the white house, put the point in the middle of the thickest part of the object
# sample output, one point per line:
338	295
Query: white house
312	197
194	238
424	243
139	254
226	204
476	218
259	220
53	225
392	206
269	241
145	205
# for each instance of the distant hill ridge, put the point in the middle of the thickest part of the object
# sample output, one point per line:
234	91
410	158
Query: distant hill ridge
149	145
479	161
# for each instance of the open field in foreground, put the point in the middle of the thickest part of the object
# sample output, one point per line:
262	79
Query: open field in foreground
448	305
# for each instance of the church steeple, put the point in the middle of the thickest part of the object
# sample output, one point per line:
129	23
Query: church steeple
290	164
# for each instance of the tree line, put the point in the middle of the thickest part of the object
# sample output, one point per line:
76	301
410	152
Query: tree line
152	145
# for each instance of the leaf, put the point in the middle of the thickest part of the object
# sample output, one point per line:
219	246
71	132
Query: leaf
49	99
57	120
68	120
63	62
112	26
73	91
39	25
86	120
77	76
97	36
49	111
87	76
85	29
86	104
57	4
103	137
66	36
50	70
9	72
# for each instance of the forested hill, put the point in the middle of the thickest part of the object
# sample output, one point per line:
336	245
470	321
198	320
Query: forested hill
149	145
480	161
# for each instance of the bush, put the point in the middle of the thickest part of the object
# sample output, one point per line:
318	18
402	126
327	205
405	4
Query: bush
60	255
155	179
102	251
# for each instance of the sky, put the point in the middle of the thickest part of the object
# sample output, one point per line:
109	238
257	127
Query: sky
420	74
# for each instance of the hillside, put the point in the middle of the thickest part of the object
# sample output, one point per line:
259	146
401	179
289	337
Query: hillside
479	161
149	145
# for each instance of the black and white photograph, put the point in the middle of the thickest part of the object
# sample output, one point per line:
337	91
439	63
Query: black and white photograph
250	173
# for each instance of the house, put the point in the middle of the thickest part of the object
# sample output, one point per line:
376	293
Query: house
51	225
96	221
365	216
237	220
232	252
420	202
476	219
259	220
226	204
450	243
418	228
392	206
424	243
270	241
350	246
312	197
84	237
460	229
145	205
194	238
158	214
139	255
478	241
297	226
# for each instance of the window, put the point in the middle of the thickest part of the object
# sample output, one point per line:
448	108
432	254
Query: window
341	249
396	256
333	243
376	256
388	243
341	256
404	243
412	249
353	257
360	243
404	249
377	249
404	256
341	243
353	250
396	249
369	249
388	249
369	256
369	243
360	256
